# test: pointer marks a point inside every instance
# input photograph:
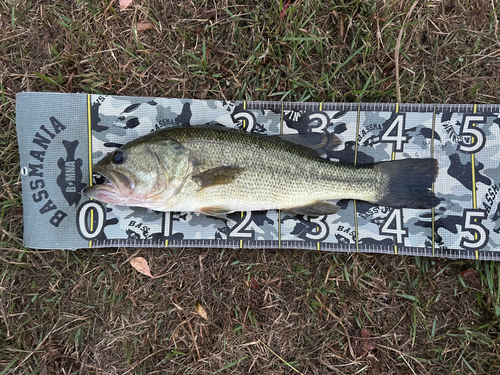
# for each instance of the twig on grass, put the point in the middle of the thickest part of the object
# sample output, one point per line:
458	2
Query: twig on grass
285	362
396	52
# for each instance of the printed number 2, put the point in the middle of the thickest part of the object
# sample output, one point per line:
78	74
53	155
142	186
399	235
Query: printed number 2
393	225
473	225
239	230
397	128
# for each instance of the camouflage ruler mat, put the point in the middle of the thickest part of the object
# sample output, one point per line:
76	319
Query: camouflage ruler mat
62	135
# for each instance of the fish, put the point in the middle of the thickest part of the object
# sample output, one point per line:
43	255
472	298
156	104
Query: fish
215	170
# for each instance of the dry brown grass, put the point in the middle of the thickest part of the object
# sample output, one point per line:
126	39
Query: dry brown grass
269	312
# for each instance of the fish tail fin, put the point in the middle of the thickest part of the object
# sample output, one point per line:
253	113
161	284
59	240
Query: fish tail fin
409	183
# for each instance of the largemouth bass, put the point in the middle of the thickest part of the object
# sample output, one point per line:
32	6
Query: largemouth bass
217	170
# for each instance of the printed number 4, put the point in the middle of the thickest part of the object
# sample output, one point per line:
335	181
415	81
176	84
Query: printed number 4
397	128
393	225
473	224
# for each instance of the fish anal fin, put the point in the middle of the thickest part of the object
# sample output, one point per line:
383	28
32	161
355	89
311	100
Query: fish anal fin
218	176
219	212
315	209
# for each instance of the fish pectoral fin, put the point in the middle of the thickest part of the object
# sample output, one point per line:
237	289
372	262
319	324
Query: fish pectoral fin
218	176
315	209
218	212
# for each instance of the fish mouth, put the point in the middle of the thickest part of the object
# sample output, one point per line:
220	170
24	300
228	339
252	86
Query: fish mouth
110	187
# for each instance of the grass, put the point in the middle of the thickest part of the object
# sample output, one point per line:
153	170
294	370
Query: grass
270	311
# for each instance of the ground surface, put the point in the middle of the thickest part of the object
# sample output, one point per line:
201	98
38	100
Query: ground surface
269	312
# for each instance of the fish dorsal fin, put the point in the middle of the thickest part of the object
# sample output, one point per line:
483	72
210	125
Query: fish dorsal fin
320	142
315	209
218	176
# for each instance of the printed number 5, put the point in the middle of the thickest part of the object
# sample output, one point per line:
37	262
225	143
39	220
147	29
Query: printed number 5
475	135
473	224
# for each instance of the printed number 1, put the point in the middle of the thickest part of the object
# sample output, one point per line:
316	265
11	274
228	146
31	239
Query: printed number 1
473	224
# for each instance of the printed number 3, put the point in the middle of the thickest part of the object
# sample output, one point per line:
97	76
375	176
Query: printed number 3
473	225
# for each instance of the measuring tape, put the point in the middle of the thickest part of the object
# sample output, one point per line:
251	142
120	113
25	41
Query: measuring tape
62	135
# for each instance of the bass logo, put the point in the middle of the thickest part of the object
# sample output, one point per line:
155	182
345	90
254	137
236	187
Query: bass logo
70	178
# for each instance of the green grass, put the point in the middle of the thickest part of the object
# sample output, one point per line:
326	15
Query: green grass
89	312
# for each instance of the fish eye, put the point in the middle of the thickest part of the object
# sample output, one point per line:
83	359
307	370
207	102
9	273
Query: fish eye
118	157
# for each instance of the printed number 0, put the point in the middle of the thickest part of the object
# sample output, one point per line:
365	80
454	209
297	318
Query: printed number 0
90	219
473	225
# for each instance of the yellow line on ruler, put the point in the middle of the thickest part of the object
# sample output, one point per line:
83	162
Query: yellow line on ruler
244	120
241	241
394	158
279	211
355	162
474	194
317	229
279	229
166	243
474	198
473	159
393	147
281	119
432	156
90	162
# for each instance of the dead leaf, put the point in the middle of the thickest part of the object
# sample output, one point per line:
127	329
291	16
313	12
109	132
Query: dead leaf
364	345
141	26
254	284
141	265
200	310
124	4
365	333
368	347
470	274
202	91
44	370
